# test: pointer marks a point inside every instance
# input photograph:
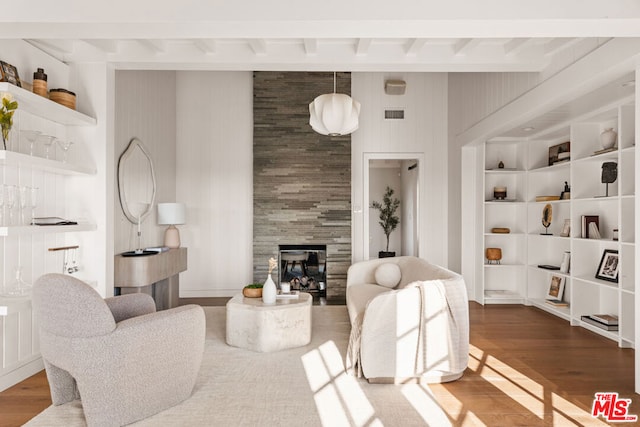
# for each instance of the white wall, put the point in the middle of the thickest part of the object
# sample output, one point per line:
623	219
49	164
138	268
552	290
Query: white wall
96	84
215	180
146	109
421	135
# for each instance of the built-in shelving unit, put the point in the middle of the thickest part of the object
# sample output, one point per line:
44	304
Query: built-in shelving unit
26	246
528	177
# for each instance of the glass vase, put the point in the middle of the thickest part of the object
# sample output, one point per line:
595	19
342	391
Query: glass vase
6	139
18	288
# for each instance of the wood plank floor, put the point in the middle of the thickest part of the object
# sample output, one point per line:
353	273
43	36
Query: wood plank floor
527	368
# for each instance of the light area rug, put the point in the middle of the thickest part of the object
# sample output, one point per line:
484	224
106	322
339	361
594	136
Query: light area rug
304	386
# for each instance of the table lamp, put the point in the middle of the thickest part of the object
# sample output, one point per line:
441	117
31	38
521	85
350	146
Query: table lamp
171	214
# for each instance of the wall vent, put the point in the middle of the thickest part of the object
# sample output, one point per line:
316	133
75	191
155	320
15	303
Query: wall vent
394	114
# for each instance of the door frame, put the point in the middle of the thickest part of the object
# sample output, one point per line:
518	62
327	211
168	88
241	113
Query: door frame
419	158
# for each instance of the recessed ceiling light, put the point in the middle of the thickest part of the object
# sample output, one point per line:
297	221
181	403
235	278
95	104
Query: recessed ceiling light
528	129
629	83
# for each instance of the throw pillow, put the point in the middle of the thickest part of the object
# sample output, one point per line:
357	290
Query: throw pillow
388	275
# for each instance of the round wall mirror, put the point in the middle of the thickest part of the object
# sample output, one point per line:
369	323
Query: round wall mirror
136	182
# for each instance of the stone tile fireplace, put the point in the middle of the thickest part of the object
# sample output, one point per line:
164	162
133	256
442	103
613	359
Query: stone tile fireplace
301	179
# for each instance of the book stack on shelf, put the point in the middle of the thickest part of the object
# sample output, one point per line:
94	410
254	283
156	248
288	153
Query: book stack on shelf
557	303
607	322
590	226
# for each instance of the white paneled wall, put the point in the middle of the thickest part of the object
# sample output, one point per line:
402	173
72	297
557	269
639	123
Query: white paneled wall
146	109
421	135
215	180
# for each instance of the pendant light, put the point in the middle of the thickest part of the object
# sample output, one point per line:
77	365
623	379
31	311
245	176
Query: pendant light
334	114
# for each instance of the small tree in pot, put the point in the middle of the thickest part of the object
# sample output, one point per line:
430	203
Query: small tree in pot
388	220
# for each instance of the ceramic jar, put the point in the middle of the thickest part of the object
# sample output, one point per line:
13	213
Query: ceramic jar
499	193
608	138
494	255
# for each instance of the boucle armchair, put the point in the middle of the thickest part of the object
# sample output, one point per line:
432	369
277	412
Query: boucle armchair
409	321
124	360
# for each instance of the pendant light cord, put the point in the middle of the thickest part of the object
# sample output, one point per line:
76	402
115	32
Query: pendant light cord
334	82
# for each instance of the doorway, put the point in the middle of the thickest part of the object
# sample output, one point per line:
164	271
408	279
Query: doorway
401	172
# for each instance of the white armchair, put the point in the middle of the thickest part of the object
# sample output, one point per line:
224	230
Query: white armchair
409	320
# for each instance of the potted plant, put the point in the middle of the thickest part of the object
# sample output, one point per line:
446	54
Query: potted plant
253	290
388	220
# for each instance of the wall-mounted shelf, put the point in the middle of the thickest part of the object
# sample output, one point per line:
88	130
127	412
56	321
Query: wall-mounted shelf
43	107
11	158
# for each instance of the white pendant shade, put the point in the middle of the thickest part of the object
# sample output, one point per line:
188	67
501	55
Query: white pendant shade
334	114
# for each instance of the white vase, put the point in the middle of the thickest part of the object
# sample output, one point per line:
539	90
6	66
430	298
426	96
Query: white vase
269	291
608	138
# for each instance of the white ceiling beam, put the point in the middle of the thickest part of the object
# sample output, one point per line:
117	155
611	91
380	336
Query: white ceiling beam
362	47
65	47
558	44
465	46
108	46
311	46
259	46
516	46
207	46
413	46
156	46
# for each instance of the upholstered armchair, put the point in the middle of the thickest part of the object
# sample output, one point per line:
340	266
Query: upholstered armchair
409	321
124	360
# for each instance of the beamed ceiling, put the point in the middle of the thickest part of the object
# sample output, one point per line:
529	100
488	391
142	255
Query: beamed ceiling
332	35
315	54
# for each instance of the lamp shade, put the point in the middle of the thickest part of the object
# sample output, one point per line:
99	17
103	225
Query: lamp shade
171	213
334	114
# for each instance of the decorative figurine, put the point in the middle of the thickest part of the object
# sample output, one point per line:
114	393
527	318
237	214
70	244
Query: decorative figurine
609	174
546	219
566	193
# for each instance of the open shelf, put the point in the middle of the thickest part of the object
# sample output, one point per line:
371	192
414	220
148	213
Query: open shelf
44	107
11	158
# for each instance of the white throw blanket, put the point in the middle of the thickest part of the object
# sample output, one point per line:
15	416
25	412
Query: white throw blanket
437	321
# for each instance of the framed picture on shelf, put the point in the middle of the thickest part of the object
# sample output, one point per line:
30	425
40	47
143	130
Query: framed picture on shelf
608	268
9	73
566	228
556	287
559	153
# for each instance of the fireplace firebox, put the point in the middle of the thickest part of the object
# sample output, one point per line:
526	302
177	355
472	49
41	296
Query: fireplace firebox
304	267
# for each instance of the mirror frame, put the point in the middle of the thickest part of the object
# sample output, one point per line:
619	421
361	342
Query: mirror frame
134	144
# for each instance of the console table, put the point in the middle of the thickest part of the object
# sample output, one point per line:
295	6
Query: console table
156	275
